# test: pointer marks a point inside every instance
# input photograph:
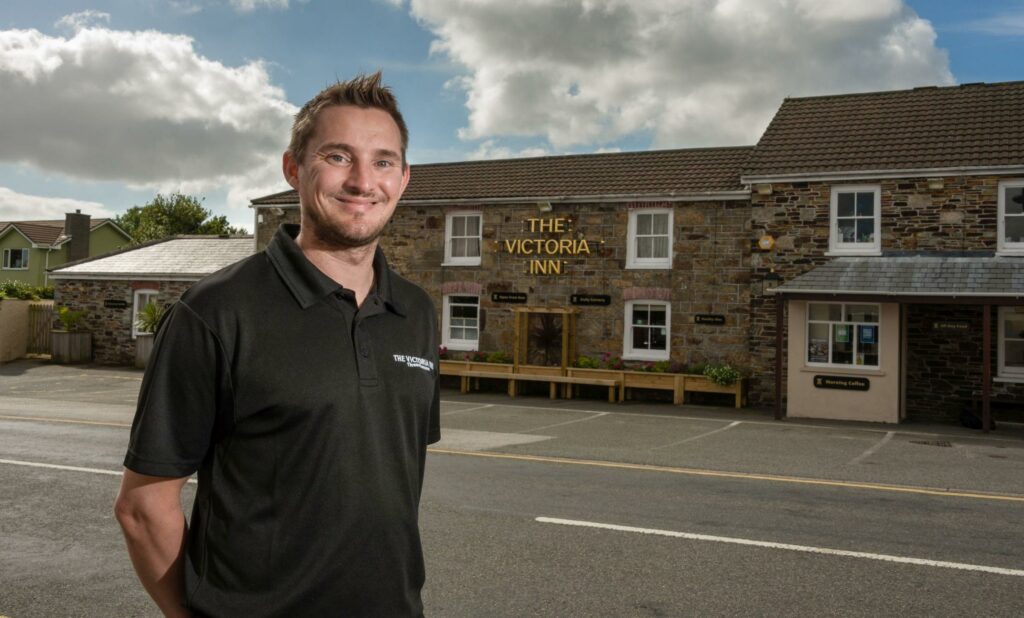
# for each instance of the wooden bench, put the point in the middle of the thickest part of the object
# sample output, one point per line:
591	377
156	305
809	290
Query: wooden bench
553	380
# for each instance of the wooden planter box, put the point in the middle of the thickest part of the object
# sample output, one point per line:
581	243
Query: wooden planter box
143	348
678	383
70	346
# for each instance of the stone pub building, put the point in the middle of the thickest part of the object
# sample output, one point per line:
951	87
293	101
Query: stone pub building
883	232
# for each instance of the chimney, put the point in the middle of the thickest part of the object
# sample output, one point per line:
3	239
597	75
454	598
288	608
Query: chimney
76	225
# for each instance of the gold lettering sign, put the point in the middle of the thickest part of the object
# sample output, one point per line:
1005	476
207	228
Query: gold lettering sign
543	253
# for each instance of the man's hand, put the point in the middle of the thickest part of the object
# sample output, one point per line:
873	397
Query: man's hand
149	511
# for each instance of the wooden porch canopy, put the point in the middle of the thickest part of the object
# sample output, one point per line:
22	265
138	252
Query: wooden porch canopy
946	279
522	333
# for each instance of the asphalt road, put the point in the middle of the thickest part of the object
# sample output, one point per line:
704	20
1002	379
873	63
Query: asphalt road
579	509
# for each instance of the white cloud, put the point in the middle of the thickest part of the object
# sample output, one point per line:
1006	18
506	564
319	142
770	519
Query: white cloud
489	149
83	19
21	207
247	6
689	72
1006	24
143	108
185	7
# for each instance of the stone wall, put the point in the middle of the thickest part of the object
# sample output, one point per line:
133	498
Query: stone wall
710	272
944	367
111	328
960	217
269	218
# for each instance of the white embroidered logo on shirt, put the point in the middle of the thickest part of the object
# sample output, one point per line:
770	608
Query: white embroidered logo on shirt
414	361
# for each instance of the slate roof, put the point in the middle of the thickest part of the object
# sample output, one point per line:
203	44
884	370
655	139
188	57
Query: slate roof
181	257
45	232
659	173
920	275
972	125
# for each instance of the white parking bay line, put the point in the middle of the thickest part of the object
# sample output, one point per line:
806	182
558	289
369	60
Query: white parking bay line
37	464
874	448
473	409
699	436
786	546
593	415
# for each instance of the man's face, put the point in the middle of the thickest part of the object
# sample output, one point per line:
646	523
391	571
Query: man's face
351	176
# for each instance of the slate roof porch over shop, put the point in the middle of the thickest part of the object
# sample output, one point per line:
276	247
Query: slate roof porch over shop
696	173
966	278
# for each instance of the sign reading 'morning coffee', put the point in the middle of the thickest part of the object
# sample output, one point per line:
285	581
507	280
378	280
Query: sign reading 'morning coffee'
843	383
114	303
715	319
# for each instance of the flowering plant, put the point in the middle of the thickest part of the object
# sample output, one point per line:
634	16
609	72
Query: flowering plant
724	374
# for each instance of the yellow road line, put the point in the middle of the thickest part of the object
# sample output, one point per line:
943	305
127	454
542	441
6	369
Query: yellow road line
653	468
60	420
736	475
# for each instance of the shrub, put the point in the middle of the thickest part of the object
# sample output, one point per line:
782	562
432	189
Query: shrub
70	319
442	353
612	362
477	357
18	290
499	357
587	362
724	374
149	317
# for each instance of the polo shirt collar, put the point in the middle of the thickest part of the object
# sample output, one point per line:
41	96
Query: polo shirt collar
305	281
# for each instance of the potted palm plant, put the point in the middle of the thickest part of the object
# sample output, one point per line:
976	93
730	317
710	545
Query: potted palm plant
148	320
70	344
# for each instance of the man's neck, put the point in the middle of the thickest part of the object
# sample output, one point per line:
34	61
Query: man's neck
351	268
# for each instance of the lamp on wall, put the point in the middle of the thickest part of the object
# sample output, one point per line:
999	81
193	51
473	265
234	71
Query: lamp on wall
936	184
544	206
763	189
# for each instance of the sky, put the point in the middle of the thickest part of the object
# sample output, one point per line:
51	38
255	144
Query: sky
105	103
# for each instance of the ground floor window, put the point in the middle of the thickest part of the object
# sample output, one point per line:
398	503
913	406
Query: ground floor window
842	334
647	330
15	259
1011	342
461	322
142	298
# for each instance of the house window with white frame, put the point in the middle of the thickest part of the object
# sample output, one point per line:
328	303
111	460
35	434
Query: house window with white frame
842	334
650	238
856	220
1011	216
1011	342
462	238
648	328
15	259
461	322
140	300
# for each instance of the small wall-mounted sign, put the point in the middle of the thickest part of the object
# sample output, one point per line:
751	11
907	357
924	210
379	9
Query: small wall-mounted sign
714	319
508	297
114	303
591	300
957	325
843	383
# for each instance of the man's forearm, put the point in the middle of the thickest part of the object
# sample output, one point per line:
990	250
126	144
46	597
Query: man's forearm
156	545
149	511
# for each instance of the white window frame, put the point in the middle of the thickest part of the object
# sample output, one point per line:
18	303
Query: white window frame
9	253
466	345
842	321
1014	373
632	261
137	306
628	351
450	260
1003	247
836	245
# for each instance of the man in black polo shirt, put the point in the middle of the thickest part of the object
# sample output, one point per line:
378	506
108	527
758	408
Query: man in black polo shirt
302	385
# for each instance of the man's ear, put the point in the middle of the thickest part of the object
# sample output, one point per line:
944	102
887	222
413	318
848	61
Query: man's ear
405	177
290	167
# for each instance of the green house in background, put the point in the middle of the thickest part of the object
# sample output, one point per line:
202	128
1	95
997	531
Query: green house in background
30	248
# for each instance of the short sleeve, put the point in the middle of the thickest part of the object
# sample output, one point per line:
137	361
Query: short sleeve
184	401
